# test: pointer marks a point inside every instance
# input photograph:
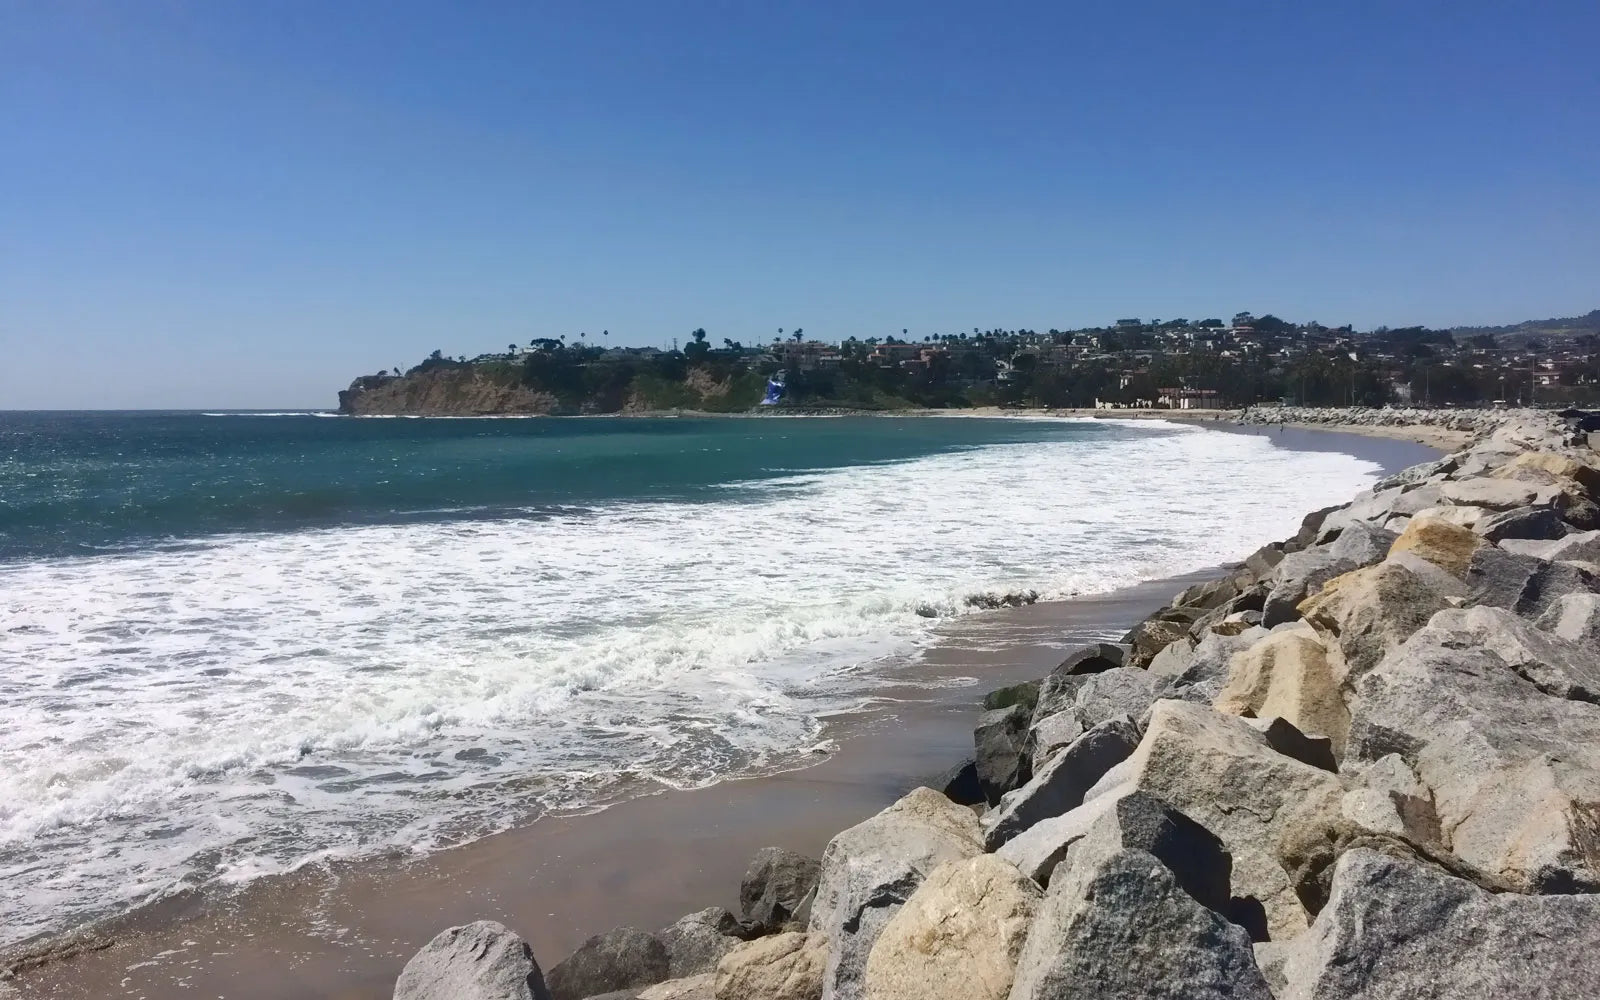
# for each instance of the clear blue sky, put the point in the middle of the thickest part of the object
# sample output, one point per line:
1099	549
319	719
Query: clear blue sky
245	204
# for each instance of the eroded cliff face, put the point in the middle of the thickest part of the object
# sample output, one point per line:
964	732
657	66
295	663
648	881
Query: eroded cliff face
457	392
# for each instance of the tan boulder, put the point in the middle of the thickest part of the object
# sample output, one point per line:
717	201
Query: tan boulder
702	987
957	937
1448	546
1553	463
780	967
1466	516
1373	610
1292	675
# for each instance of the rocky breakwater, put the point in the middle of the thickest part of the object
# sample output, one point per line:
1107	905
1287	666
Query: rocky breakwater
1466	421
1365	763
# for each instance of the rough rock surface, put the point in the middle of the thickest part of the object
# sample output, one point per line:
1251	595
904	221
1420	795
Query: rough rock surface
1448	546
871	869
1222	773
1062	782
1289	674
776	889
1395	930
957	937
477	961
1574	617
1524	584
784	966
1371	611
697	941
1514	772
1001	745
1119	925
620	959
703	987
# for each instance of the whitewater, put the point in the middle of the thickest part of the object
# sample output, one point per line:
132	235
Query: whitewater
218	708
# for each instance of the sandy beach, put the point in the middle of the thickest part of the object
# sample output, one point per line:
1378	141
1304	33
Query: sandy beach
345	930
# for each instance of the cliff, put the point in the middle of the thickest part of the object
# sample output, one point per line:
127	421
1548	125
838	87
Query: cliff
1363	763
462	391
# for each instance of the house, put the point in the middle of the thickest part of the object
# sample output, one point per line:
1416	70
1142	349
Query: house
1189	399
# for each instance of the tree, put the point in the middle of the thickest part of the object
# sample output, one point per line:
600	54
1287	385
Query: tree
796	335
697	348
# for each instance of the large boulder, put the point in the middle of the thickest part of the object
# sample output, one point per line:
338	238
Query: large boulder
701	987
1000	745
1204	669
1114	693
1091	659
1574	617
1448	546
871	869
1584	546
1514	772
1525	585
1397	930
785	966
1062	782
620	959
477	961
960	783
1371	611
776	889
1150	637
1025	694
1553	464
957	937
1119	925
1490	494
1223	774
697	942
1289	674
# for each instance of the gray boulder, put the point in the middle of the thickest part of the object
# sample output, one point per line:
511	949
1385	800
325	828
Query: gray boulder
1219	771
1397	930
620	959
1000	745
1062	782
697	942
960	783
1110	694
1524	584
1554	665
1206	671
478	961
1514	773
1194	855
1053	734
1523	523
1580	547
1092	659
871	869
1150	637
1574	617
775	890
1119	925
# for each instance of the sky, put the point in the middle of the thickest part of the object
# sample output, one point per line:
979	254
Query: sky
231	204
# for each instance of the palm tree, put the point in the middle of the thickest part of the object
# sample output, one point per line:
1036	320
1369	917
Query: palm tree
797	334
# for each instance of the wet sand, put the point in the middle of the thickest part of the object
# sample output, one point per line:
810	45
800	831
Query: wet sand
345	930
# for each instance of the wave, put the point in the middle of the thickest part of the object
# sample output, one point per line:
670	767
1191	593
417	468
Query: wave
241	706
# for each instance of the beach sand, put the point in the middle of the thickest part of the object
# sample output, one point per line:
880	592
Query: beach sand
343	931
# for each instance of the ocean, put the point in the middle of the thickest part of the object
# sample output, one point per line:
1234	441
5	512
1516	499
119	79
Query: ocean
235	644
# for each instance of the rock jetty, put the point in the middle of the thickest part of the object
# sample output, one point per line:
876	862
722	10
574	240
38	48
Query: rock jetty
1364	763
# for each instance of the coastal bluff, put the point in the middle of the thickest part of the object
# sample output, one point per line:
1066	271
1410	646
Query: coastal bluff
1362	763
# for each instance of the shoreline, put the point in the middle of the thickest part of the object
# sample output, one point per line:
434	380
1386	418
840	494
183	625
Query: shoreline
345	930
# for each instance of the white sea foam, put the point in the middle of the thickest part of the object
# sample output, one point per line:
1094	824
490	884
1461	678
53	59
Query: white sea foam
225	709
